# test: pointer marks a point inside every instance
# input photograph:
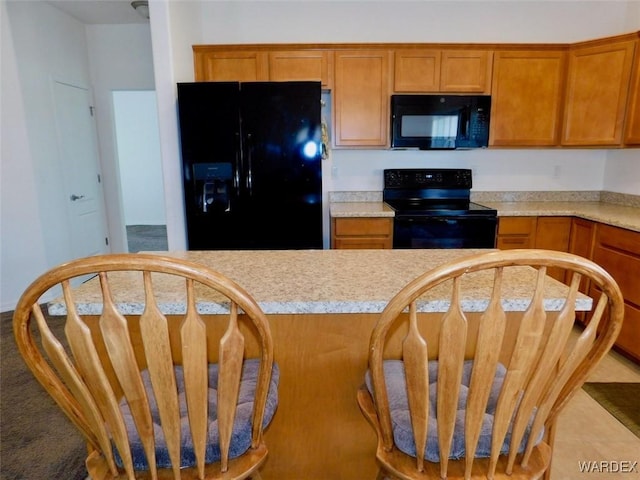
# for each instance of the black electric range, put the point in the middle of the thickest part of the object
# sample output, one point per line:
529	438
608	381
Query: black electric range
433	209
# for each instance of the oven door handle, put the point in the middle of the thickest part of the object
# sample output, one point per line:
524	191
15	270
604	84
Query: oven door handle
447	220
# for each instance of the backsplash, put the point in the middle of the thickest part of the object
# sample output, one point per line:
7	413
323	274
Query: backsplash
567	196
537	196
621	199
338	197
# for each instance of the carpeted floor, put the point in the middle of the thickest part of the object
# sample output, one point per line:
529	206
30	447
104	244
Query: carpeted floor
622	400
37	441
147	238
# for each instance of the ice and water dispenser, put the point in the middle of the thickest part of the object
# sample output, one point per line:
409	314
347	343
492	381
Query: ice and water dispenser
213	184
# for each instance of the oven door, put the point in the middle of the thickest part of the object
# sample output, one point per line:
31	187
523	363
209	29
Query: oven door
444	231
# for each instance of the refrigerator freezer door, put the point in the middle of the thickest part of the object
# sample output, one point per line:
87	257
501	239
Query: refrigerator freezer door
210	142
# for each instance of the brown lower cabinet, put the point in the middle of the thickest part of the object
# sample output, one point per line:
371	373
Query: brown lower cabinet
618	251
550	233
361	232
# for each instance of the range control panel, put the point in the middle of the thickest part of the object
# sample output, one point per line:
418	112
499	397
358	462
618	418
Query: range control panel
427	178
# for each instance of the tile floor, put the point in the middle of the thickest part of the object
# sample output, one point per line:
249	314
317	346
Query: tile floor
587	432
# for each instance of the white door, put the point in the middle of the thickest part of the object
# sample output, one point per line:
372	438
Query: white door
80	168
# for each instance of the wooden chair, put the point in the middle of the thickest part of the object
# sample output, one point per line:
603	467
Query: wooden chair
156	395
478	392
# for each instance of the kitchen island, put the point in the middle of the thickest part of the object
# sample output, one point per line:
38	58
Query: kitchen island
322	306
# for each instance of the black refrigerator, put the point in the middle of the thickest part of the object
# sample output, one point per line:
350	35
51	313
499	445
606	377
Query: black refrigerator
251	164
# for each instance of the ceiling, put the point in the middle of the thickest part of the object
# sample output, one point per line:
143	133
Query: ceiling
100	11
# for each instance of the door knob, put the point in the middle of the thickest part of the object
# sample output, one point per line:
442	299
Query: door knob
75	197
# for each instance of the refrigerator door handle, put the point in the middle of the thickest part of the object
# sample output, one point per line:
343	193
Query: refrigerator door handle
237	174
249	166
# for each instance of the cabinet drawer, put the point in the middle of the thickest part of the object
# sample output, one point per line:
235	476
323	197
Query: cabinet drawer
618	251
629	338
363	226
516	225
353	243
619	239
514	241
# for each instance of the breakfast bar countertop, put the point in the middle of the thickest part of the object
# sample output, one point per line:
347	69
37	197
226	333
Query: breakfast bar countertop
317	282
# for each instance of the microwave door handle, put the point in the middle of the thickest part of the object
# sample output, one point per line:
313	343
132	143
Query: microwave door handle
465	118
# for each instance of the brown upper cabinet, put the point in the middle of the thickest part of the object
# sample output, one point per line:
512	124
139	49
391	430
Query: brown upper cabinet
632	130
434	71
361	98
597	87
230	66
526	98
215	65
547	95
300	65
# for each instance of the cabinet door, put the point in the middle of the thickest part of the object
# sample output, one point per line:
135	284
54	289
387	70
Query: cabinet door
361	113
581	243
466	71
457	71
552	233
597	86
516	232
301	65
231	66
526	97
632	133
581	239
417	71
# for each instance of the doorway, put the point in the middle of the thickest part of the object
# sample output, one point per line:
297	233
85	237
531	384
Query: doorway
139	165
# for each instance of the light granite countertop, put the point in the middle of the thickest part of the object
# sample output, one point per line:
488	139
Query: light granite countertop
361	209
610	213
319	282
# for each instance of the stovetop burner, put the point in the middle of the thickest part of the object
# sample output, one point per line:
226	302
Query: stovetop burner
437	207
432	192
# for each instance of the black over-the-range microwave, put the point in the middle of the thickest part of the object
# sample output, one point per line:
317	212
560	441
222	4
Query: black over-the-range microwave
440	121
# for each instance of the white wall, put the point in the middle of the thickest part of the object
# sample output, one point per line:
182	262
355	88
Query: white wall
493	170
138	152
120	58
22	252
412	21
622	171
39	44
546	21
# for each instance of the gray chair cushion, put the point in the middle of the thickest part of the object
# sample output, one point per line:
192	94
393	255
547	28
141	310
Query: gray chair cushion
241	437
401	421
